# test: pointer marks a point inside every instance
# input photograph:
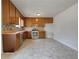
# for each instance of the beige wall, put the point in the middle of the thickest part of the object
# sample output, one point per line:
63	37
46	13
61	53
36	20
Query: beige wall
66	30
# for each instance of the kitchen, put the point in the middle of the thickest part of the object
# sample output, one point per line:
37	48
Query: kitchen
16	28
39	29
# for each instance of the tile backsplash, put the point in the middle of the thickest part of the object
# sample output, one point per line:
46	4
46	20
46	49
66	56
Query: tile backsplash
8	27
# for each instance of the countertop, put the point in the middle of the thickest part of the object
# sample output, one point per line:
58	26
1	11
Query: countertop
12	32
17	31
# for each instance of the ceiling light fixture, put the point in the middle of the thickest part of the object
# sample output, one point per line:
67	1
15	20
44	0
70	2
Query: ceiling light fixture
38	14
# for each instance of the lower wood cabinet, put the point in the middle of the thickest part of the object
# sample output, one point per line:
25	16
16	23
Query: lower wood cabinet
11	42
29	35
25	35
42	34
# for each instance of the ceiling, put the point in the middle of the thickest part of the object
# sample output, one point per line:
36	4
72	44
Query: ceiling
46	8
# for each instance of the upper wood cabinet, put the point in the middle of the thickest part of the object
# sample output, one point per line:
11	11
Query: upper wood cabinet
40	21
12	14
5	11
17	17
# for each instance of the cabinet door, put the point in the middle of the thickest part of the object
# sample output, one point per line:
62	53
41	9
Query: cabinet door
49	20
29	35
5	11
17	41
12	13
8	42
25	35
17	17
41	34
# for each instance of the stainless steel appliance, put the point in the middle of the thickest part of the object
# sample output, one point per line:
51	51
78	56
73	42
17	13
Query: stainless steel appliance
35	33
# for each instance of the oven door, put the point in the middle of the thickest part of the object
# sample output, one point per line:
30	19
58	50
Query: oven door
35	34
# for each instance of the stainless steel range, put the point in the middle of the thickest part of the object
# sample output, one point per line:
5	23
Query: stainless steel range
35	33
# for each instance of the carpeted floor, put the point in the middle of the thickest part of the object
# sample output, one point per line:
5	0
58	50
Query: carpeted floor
42	49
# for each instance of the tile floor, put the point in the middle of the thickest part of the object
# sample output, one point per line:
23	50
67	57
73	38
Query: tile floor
42	49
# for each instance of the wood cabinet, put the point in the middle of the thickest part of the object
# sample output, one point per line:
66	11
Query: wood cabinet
5	11
18	42
10	14
29	35
17	17
11	42
25	35
42	34
40	21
